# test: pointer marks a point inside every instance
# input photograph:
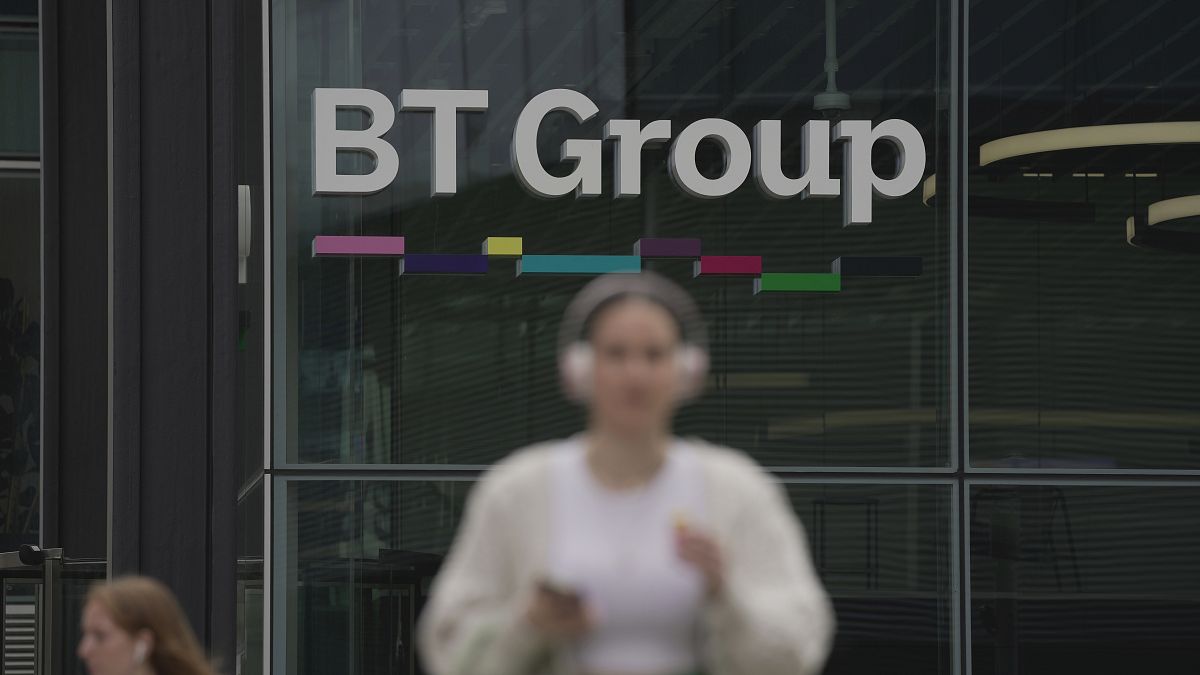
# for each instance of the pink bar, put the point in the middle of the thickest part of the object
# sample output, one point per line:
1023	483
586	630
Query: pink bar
749	265
330	245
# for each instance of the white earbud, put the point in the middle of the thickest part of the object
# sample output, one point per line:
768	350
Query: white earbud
140	651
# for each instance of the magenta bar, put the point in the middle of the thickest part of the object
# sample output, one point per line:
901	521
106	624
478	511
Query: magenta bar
658	247
324	245
729	265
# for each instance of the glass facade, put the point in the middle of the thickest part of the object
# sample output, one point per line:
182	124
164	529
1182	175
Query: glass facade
1081	345
20	276
976	449
381	369
1095	577
360	555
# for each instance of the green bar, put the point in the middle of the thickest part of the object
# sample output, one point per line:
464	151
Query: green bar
793	282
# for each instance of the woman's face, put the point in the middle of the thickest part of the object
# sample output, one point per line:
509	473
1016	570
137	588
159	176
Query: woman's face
636	376
106	648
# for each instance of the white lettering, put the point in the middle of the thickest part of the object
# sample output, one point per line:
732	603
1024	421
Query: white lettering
861	181
585	179
814	180
445	105
734	145
631	137
328	139
764	157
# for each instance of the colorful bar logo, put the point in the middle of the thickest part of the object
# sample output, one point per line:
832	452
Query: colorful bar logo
499	248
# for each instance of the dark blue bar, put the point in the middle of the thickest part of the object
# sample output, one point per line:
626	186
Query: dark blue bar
877	266
443	263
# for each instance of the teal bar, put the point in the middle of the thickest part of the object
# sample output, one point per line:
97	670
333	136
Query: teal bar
798	282
578	264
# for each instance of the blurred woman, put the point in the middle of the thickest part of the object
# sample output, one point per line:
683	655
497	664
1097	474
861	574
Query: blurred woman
133	625
625	550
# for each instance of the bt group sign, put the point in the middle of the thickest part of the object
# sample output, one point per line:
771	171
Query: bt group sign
758	154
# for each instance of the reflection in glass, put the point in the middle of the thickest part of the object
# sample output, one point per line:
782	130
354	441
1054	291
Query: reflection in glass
76	579
1084	579
359	560
361	554
883	552
20	351
19	94
250	588
1082	345
20	279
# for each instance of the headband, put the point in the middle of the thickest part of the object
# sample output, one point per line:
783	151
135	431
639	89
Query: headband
605	289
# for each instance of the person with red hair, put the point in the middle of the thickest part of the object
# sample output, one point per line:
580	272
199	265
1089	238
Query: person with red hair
134	625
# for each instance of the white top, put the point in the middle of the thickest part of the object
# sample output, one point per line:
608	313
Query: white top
772	616
617	549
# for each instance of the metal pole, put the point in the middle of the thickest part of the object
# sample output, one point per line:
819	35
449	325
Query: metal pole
50	632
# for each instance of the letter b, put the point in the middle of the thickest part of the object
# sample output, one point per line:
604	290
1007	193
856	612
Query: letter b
328	139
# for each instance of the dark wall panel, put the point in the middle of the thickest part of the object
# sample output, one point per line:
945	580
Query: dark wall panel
174	304
172	278
75	199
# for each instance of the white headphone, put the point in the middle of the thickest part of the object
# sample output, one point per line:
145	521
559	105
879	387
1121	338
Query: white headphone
140	652
578	363
577	359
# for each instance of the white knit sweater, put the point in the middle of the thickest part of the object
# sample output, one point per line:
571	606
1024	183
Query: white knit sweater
772	618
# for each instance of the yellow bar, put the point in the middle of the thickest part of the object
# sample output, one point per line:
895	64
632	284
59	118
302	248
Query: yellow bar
503	246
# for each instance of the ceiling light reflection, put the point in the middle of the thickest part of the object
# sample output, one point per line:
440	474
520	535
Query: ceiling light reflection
1103	135
1173	209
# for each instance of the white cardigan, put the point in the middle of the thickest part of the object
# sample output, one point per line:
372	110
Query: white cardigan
772	618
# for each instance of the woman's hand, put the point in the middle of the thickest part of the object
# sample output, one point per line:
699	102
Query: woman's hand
558	615
702	552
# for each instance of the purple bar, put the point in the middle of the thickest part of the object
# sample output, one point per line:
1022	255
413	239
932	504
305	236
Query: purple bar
657	247
330	245
443	263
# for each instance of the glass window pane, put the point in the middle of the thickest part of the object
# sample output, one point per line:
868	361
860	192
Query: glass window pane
18	9
19	94
1082	344
374	367
359	556
355	567
249	593
77	578
1075	578
20	356
883	552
